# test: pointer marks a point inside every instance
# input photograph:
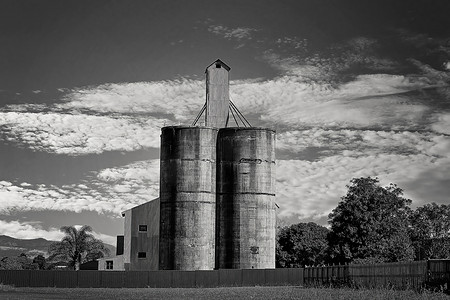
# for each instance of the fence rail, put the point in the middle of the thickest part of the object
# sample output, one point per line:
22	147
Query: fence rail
413	275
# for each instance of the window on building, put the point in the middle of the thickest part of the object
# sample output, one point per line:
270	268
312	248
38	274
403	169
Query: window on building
142	254
109	265
142	227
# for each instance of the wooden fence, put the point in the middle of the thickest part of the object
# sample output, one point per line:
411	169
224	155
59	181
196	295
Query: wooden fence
326	275
401	275
405	275
156	279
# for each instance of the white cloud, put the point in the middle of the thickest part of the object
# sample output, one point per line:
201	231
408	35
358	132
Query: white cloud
446	65
366	101
112	190
313	189
182	98
442	123
20	230
80	134
369	100
363	142
26	230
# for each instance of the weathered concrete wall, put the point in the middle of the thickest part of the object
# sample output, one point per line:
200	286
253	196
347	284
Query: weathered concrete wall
188	199
142	241
117	263
245	231
217	95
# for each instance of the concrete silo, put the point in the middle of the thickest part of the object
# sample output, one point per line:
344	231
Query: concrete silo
217	188
245	217
187	198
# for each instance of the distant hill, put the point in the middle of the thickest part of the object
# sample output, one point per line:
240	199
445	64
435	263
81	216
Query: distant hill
10	246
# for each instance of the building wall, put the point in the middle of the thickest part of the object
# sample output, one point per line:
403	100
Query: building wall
116	260
142	241
127	239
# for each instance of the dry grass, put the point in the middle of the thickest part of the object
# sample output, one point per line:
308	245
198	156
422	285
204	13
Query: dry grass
5	288
279	292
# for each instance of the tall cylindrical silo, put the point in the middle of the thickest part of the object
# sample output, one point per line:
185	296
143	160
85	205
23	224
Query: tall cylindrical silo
188	198
245	217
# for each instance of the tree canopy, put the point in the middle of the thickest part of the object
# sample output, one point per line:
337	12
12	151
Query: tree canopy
77	247
301	244
370	224
430	231
21	262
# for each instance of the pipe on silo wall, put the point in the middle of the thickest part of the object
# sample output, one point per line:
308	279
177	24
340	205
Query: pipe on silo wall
245	217
188	198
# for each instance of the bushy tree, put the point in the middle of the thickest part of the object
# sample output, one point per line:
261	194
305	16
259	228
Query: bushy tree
301	244
77	247
430	231
21	262
370	224
40	262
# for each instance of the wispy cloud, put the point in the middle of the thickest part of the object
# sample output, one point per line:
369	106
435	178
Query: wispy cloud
313	189
330	65
237	33
111	190
120	117
441	123
20	230
80	134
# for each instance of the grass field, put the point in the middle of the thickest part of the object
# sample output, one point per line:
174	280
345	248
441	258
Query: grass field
279	292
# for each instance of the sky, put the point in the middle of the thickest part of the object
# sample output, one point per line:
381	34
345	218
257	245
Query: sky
353	89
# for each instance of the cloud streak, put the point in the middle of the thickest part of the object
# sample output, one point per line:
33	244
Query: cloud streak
111	190
80	134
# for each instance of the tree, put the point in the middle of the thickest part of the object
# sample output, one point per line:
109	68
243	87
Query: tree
430	231
21	262
301	244
40	262
370	224
77	247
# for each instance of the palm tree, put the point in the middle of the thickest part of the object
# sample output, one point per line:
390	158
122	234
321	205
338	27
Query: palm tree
77	247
